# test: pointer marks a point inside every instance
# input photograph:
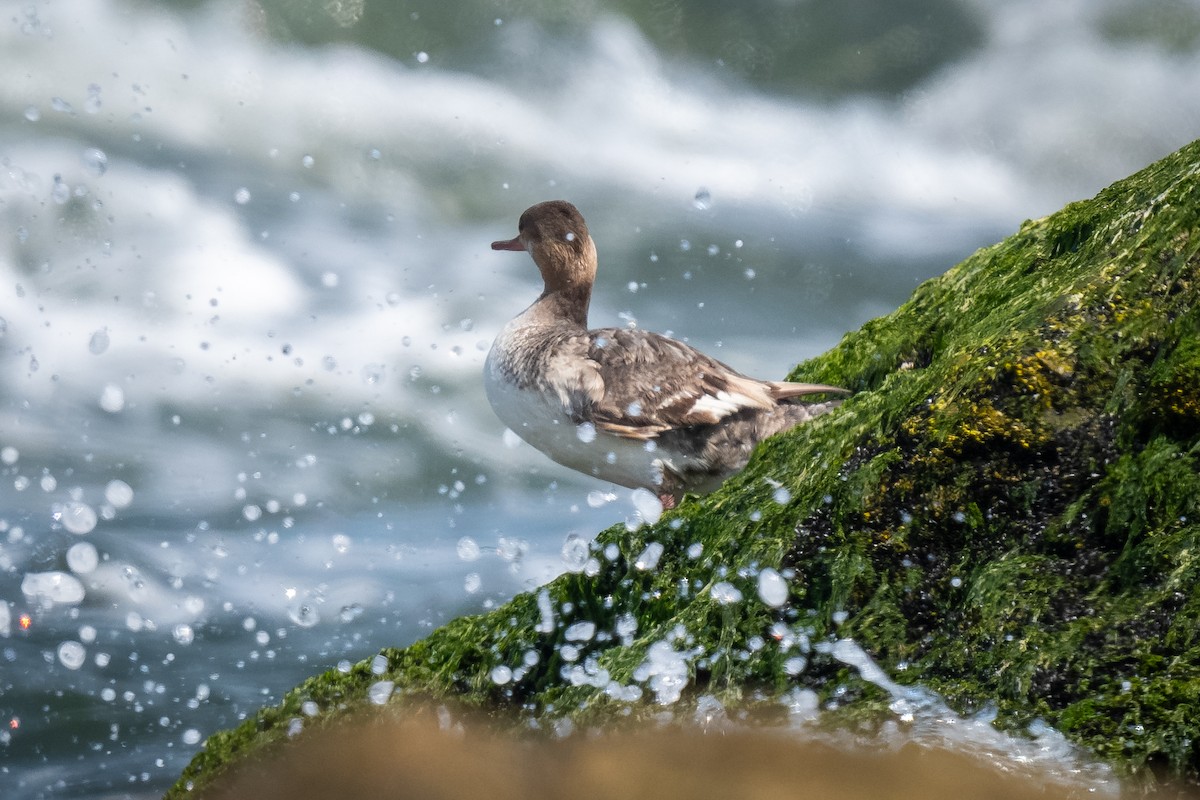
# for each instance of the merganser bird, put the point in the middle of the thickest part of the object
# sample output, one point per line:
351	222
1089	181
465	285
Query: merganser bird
628	406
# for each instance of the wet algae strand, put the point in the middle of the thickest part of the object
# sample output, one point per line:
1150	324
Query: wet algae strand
1004	513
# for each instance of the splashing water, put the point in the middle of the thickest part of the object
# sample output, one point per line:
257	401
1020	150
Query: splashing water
772	587
647	560
725	593
118	493
665	671
576	552
78	518
50	588
647	505
82	558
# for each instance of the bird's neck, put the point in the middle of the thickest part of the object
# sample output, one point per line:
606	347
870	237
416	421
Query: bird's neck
564	304
568	270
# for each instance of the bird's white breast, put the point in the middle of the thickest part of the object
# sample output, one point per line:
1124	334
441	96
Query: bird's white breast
538	417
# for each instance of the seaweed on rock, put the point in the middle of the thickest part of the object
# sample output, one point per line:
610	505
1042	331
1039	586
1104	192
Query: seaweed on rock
1006	508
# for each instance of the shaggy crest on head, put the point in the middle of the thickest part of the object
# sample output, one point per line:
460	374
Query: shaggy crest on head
628	406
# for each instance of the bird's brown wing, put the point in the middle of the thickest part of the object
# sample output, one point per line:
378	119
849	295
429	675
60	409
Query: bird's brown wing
638	384
651	384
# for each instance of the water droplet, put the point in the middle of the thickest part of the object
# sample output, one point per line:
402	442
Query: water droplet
501	675
546	612
304	614
379	692
586	432
52	587
598	499
726	593
71	655
422	57
472	582
580	632
575	553
511	548
467	549
78	518
772	588
118	493
82	558
183	633
95	161
33	113
99	342
61	192
782	495
795	665
9	455
648	559
241	196
190	737
647	505
666	672
372	374
112	399
703	199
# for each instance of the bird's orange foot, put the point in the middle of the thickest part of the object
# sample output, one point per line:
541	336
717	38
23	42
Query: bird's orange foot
667	499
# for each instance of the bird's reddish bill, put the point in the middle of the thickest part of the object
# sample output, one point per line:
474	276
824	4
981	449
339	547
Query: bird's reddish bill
509	244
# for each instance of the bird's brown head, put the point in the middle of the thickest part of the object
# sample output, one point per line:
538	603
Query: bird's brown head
557	238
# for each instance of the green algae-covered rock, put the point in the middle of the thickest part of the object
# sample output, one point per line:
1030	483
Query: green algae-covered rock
1005	513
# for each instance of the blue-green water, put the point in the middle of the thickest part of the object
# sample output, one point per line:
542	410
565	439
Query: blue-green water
246	290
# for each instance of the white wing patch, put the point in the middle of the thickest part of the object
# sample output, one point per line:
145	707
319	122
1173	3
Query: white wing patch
722	404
